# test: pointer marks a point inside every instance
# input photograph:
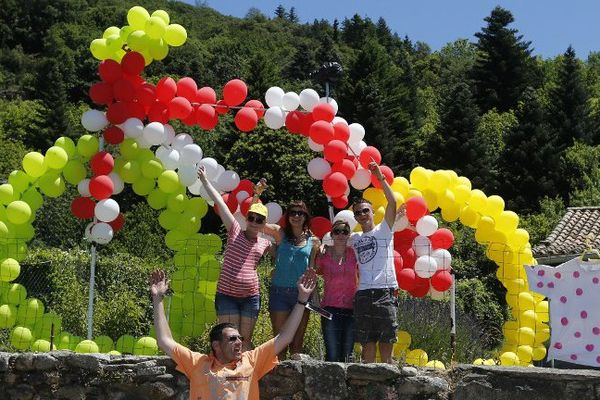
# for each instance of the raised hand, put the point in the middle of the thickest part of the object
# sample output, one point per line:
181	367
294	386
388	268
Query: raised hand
374	168
202	173
306	284
260	186
159	284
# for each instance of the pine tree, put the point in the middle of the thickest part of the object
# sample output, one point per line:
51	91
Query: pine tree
281	12
504	66
292	16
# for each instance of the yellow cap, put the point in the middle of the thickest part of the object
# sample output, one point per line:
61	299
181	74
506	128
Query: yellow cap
259	208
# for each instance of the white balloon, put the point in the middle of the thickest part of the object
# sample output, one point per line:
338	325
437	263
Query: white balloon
361	179
274	96
241	196
220	170
315	146
181	140
94	120
88	230
190	154
188	174
425	266
161	151
339	119
83	187
357	133
426	225
133	128
211	166
348	216
107	210
169	135
143	142
422	246
154	133
318	168
118	184
274	117
239	217
290	101
228	180
274	212
331	101
101	233
327	239
356	148
309	98
400	224
169	159
443	258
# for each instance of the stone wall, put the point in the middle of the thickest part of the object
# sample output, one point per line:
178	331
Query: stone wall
65	375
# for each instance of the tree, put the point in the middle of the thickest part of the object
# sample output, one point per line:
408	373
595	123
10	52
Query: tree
580	164
292	16
504	66
280	12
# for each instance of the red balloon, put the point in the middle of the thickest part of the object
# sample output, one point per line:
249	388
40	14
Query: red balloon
109	71
443	238
245	185
335	184
293	121
406	278
369	154
246	119
403	239
118	222
145	94
321	132
179	108
133	63
320	226
101	187
101	93
257	106
416	207
421	287
341	131
206	95
166	89
123	90
222	107
113	135
186	87
388	175
207	117
344	166
235	92
117	113
83	207
136	80
245	205
230	201
306	122
335	151
441	280
158	112
135	110
408	257
340	202
191	119
398	262
102	163
323	112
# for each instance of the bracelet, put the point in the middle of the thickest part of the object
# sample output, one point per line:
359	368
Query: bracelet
303	303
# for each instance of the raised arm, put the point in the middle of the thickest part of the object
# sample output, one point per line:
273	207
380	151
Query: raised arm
158	287
390	210
306	285
224	213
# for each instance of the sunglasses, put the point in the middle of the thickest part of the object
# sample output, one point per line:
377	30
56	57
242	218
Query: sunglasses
233	338
296	213
364	211
255	218
341	232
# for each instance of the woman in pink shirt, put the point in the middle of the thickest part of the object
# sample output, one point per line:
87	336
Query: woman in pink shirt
339	268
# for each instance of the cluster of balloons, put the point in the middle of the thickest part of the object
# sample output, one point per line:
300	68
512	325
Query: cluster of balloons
149	35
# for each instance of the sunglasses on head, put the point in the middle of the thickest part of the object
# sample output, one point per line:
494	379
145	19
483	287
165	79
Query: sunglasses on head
341	231
362	211
233	338
296	213
255	218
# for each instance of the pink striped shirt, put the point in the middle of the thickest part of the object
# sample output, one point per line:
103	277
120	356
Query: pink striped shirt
238	276
340	279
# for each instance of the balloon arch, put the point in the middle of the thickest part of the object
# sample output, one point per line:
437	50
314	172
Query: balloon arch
161	165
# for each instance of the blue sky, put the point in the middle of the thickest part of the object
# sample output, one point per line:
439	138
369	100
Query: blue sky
551	25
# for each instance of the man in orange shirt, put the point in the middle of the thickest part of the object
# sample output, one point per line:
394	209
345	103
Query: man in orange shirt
226	373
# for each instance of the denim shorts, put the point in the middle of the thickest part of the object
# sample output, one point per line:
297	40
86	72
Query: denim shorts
375	316
282	299
244	306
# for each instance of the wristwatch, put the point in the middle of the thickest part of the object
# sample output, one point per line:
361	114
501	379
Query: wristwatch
303	303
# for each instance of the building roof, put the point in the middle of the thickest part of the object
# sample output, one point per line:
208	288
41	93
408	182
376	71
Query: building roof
568	239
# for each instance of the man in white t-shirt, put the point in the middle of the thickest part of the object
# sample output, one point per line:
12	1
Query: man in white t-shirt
375	302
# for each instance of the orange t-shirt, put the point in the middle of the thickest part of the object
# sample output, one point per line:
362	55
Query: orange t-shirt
211	380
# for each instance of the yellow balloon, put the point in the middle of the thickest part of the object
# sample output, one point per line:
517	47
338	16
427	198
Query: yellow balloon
419	178
494	205
446	199
451	214
137	17
159	49
478	200
379	215
461	193
541	309
469	217
414	193
56	157
518	238
138	41
175	35
528	319
401	186
34	165
399	199
538	353
489	361
435	364
431	199
526	301
525	353
478	361
163	15
515	285
99	49
526	336
509	358
507	221
375	196
417	357
155	27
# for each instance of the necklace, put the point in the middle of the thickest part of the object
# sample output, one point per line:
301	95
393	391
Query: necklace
337	257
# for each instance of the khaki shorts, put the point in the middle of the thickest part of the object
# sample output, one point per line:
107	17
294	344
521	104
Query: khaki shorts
375	316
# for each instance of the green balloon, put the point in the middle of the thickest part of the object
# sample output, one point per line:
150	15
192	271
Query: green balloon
113	353
184	280
175	240
189	223
145	346
41	346
87	145
130	171
33	198
34	165
99	49
74	341
8	316
74	172
138	41
7	193
129	149
16	249
19	180
18	212
56	157
175	35
21	338
62	341
144	154
48	323
168	181
210	269
52	184
16	294
159	49
157	199
155	27
163	15
137	17
213	243
111	30
169	219
4	231
177	202
67	145
125	344
198	206
105	343
9	269
147	56
143	186
207	288
30	311
125	32
24	231
86	347
152	168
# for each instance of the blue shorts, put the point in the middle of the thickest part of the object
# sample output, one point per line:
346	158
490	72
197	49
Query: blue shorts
282	299
244	306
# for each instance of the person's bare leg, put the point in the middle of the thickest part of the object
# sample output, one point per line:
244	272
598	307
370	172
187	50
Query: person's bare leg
246	330
385	349
298	342
278	318
368	352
